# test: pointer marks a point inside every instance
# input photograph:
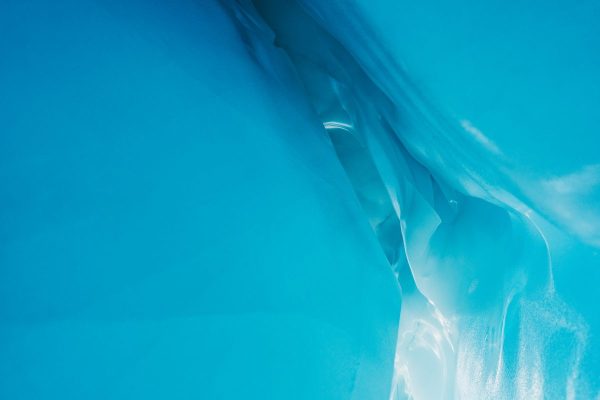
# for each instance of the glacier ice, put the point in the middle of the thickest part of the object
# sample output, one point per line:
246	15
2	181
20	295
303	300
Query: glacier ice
300	199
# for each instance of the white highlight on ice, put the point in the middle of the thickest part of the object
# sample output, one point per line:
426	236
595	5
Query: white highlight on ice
479	136
337	125
568	196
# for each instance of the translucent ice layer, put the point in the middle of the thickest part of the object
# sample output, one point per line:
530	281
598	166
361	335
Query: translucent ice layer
300	199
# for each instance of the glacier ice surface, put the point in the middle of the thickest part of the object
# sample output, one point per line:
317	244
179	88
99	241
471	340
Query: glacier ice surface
299	200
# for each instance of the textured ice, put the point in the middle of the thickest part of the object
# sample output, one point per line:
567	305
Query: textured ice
300	199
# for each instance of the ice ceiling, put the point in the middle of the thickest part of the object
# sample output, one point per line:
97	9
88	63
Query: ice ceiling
300	199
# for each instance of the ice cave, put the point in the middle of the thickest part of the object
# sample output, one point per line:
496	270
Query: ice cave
299	199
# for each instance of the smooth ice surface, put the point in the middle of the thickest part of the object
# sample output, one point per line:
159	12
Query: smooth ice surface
300	199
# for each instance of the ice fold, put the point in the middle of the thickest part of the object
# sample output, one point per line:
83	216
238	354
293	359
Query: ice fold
481	315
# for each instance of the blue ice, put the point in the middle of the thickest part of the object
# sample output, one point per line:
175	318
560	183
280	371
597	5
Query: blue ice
302	199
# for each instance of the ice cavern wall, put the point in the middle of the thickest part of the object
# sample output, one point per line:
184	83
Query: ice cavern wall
299	199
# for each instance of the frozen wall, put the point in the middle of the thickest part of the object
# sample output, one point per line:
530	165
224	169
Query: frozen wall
299	200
